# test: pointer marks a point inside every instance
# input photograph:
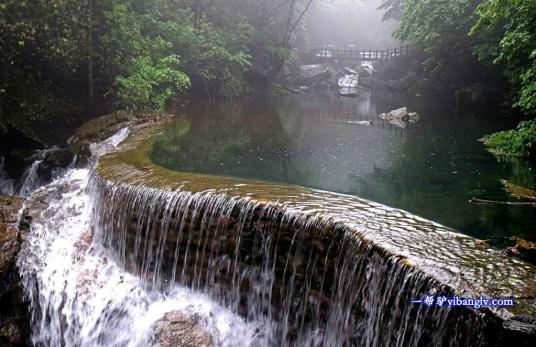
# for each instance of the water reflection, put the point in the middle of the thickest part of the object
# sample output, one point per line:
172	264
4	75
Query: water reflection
431	169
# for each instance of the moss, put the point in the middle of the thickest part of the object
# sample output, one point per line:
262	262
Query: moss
101	128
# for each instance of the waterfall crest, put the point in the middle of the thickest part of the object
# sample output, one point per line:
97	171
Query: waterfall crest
313	282
120	246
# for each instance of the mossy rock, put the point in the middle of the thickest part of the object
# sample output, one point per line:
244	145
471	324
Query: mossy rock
101	128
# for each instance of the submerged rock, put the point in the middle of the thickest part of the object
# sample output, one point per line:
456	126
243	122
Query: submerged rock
178	330
518	191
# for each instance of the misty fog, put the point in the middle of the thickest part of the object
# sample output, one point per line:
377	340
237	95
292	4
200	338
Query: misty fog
349	22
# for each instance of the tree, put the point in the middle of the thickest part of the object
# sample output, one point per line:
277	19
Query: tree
507	36
59	56
152	80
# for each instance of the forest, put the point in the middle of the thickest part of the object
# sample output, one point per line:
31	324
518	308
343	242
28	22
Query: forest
62	58
267	173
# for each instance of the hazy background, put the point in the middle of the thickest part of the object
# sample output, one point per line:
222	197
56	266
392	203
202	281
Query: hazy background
344	22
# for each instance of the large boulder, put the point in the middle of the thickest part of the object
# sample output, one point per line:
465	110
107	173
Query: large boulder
400	117
178	330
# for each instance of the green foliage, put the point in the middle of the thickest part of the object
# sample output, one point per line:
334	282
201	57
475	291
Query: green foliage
393	9
520	142
77	54
507	33
435	26
501	32
152	80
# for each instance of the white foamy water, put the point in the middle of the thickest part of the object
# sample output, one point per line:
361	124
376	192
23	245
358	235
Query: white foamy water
7	185
81	297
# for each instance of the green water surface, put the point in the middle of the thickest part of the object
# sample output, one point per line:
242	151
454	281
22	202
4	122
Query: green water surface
431	168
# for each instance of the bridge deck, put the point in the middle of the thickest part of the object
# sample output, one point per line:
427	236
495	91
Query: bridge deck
330	54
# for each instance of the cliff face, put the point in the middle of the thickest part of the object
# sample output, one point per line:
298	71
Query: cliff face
14	226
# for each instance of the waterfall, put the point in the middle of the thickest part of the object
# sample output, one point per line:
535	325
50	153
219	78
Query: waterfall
30	179
309	281
105	261
78	294
7	184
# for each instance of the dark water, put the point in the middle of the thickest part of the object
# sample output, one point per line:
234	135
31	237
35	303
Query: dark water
431	168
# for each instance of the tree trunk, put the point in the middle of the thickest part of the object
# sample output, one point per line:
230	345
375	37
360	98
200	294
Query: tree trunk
90	87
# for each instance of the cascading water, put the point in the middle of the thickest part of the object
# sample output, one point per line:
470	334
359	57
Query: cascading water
78	294
308	281
31	179
7	184
117	253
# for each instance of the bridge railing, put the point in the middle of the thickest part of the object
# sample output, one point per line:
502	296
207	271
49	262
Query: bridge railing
355	54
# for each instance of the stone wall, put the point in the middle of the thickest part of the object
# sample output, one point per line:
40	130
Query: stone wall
307	275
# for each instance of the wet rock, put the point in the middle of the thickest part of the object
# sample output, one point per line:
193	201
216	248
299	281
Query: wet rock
82	244
82	150
12	334
365	70
314	71
9	240
54	163
518	191
400	113
312	75
400	117
413	117
523	249
58	158
178	330
101	128
85	280
13	310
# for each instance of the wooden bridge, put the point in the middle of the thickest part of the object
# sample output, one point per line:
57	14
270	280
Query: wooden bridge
328	54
